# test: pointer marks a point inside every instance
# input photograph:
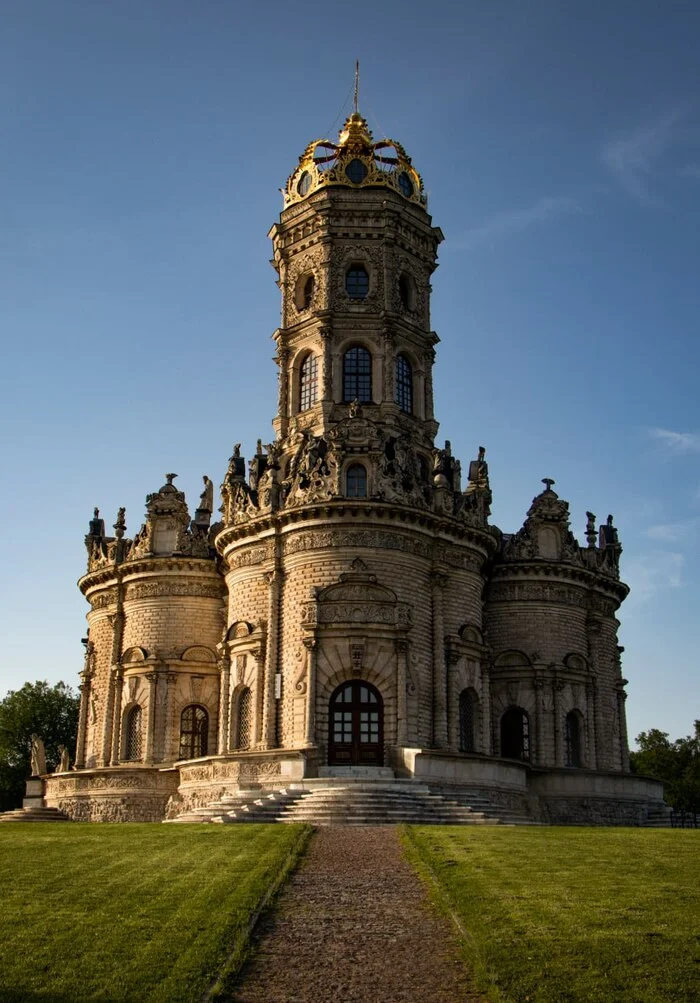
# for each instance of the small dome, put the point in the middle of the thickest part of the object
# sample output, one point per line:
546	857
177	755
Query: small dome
355	161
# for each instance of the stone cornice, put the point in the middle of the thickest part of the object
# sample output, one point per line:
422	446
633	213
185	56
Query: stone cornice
559	571
197	567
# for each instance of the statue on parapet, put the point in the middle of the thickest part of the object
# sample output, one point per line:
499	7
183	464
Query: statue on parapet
38	757
64	760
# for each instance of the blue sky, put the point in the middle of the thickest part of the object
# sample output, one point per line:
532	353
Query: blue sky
144	145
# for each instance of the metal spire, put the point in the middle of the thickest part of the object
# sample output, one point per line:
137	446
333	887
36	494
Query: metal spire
357	82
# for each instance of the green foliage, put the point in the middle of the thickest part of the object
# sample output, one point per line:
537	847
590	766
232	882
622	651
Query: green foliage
48	711
135	912
676	763
567	915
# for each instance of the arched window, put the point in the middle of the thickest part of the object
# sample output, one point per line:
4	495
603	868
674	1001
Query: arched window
308	383
515	734
132	731
244	720
357	375
573	739
403	389
357	282
356	481
194	732
304	290
407	292
468	719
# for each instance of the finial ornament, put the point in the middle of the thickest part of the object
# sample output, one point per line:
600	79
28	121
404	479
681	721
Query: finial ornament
547	481
357	84
170	478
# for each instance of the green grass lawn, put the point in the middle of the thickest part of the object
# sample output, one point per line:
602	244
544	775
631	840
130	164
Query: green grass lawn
130	912
571	914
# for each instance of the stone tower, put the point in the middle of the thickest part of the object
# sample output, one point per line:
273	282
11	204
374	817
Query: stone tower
353	609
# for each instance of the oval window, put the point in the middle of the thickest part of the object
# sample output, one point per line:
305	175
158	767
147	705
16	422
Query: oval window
356	171
304	184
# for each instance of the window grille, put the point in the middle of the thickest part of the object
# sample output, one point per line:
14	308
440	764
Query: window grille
245	719
357	282
404	384
194	732
308	383
357	375
133	734
468	710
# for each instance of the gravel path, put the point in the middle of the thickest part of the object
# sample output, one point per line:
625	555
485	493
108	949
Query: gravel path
354	925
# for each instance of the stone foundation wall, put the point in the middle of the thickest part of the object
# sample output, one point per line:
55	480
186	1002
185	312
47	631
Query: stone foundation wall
116	795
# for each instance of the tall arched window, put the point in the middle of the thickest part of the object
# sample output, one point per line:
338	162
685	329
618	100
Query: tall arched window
356	481
244	720
308	383
573	739
468	719
515	734
403	384
357	375
308	294
194	732
357	282
133	730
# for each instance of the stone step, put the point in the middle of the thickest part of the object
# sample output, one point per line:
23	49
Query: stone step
34	815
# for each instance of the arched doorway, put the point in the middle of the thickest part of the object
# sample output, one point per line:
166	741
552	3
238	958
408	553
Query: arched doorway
356	726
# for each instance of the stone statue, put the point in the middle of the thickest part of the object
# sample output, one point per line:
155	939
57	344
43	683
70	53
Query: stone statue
206	499
38	757
64	761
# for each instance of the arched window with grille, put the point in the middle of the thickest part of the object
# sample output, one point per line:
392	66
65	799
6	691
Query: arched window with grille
356	481
308	383
357	375
403	384
468	720
244	719
573	739
194	732
133	742
515	734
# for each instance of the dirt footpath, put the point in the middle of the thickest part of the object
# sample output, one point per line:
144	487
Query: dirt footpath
354	925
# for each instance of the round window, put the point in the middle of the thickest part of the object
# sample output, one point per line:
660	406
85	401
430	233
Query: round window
405	184
304	184
356	171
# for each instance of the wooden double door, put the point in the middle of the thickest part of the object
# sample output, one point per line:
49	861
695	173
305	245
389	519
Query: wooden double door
356	725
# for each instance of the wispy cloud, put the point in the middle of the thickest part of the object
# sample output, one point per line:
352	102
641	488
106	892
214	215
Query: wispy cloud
633	158
503	224
674	532
651	573
677	442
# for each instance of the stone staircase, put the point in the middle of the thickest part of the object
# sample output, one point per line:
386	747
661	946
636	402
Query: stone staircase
658	817
341	800
34	814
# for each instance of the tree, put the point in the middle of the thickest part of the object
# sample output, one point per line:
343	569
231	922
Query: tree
49	711
677	764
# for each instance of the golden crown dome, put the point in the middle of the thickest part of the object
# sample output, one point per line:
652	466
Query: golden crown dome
355	161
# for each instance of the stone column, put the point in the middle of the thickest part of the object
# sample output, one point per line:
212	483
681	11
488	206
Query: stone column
557	687
401	645
82	723
538	685
591	758
439	701
271	663
601	752
258	694
283	386
486	726
170	680
311	645
222	742
327	384
429	360
118	676
624	748
152	678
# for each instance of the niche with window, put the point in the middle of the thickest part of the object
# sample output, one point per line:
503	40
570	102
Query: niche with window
515	734
357	282
356	481
407	292
573	735
194	732
403	384
357	375
308	382
304	292
468	720
243	738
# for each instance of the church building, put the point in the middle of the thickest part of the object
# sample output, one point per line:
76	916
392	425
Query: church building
349	610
